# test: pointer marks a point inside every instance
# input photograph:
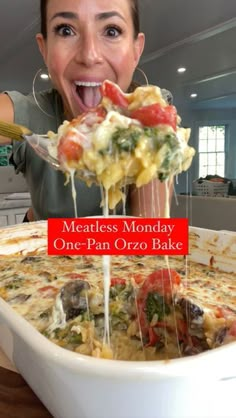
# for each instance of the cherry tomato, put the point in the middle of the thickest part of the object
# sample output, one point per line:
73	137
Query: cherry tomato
222	312
232	330
183	332
101	112
164	282
155	114
94	116
69	148
117	280
48	291
138	278
153	337
75	276
114	93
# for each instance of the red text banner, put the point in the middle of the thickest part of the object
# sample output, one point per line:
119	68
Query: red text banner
117	236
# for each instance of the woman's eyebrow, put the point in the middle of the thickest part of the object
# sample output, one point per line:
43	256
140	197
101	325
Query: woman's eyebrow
99	16
65	15
107	15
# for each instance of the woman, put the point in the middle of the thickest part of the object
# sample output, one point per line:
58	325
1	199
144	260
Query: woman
83	42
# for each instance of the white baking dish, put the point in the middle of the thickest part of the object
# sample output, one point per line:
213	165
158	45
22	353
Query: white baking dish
72	385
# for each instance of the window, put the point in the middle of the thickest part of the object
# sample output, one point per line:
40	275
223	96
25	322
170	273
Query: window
211	148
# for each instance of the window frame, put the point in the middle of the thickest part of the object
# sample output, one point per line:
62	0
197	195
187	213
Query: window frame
208	123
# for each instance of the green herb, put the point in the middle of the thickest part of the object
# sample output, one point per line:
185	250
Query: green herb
166	162
123	291
163	176
87	316
116	290
67	336
155	305
15	284
171	139
152	132
119	320
45	333
74	338
45	314
126	139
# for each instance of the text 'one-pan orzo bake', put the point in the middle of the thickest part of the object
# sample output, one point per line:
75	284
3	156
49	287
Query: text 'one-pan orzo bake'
155	313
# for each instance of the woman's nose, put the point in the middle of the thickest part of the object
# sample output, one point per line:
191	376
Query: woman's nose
89	51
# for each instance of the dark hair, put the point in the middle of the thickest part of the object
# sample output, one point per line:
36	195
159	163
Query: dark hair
134	12
43	16
135	17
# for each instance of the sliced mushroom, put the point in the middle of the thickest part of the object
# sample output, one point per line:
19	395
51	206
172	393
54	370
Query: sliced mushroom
20	298
73	297
31	259
220	336
190	310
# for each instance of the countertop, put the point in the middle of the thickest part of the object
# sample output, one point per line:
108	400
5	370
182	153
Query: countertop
17	400
217	213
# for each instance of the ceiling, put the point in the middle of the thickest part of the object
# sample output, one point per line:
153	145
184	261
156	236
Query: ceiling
199	35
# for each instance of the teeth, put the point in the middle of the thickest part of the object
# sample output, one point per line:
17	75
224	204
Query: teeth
87	83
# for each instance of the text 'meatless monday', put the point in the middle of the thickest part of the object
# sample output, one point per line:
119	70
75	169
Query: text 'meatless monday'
117	236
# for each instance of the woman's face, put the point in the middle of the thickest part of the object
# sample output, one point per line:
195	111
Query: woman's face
89	41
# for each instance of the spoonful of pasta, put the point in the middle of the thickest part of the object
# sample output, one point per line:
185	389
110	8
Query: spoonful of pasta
128	138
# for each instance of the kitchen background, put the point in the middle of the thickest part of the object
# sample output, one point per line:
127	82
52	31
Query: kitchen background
196	35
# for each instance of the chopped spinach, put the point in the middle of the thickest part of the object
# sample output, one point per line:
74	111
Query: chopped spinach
87	316
123	291
67	335
116	290
74	338
155	305
126	139
163	176
45	314
14	284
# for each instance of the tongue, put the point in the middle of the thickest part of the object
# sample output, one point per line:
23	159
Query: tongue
90	96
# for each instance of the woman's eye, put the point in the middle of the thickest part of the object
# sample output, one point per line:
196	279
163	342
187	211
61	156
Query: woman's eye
64	30
113	31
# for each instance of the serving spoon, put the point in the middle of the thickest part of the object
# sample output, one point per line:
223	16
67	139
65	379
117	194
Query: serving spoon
39	143
43	147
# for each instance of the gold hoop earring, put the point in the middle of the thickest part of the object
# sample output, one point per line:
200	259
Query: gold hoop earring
143	74
44	76
136	83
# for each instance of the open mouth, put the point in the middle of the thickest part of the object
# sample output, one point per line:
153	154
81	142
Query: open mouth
89	93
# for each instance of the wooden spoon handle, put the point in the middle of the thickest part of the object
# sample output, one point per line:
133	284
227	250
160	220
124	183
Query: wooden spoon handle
13	131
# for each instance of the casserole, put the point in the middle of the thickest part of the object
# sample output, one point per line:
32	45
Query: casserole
72	385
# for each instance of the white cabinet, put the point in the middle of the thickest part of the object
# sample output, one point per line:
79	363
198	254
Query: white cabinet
3	220
12	216
13	208
14	197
